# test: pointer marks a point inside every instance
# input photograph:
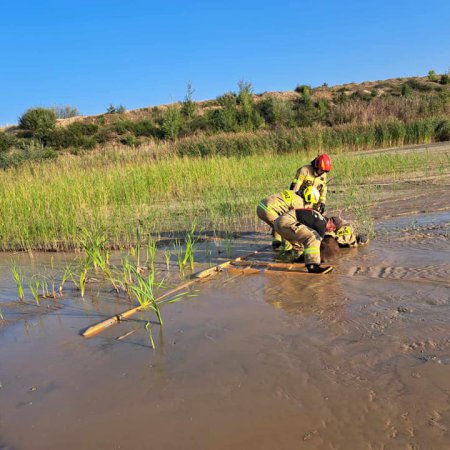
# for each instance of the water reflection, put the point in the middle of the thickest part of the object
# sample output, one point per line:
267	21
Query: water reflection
304	294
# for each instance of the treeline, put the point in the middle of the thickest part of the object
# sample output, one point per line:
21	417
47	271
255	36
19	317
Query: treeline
239	122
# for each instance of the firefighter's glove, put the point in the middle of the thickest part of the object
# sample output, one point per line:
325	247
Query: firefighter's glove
362	239
321	208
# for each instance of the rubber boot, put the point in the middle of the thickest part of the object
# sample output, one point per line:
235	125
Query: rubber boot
276	244
315	268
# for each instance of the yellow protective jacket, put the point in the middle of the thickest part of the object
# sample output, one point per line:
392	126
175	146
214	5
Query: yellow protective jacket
281	202
307	176
345	236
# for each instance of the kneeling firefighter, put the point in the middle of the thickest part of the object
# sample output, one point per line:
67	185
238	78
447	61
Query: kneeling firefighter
273	206
306	228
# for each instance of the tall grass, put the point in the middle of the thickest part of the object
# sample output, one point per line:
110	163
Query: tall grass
47	205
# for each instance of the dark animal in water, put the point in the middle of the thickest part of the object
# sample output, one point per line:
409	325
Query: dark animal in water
329	249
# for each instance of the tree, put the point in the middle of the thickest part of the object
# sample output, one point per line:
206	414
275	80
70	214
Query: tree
188	108
172	122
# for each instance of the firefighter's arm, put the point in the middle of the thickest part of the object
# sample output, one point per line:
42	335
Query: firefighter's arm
299	179
323	193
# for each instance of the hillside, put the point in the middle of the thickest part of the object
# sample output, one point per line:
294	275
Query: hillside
416	103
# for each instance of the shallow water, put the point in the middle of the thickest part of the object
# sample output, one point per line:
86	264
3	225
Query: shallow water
358	359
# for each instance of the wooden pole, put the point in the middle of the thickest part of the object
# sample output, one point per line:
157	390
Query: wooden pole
104	324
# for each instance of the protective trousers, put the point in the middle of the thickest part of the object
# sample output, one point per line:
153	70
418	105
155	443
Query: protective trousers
269	216
300	236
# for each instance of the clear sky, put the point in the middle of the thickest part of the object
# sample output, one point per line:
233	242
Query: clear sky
89	54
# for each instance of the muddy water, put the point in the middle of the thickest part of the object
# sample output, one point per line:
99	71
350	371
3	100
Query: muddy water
358	359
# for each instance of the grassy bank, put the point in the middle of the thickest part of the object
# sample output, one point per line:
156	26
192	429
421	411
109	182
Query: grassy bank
47	205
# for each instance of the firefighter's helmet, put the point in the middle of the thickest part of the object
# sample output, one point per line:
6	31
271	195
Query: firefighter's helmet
323	163
311	195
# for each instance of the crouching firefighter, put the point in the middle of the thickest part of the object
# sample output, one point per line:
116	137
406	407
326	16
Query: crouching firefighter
273	206
304	229
314	174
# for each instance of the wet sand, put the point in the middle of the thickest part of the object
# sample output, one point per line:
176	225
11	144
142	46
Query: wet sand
358	359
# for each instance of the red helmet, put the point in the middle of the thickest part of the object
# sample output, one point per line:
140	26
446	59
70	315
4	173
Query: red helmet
323	162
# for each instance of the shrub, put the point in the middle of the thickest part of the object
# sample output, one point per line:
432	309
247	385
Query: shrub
84	129
443	131
406	90
6	141
432	75
77	134
122	126
445	79
303	89
276	111
38	120
146	128
419	85
130	140
227	99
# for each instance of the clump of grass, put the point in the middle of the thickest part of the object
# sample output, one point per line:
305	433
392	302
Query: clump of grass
17	275
151	253
34	286
144	291
66	276
167	258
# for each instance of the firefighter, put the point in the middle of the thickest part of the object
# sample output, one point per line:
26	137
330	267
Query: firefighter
273	206
314	174
306	228
346	235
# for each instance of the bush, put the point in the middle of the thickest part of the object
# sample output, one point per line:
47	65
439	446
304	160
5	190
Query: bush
419	85
130	140
38	120
277	112
303	89
77	134
83	129
406	90
145	128
443	131
445	79
432	75
6	142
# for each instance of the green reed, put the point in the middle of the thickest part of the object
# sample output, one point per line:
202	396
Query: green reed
148	327
151	253
17	275
144	291
167	256
34	285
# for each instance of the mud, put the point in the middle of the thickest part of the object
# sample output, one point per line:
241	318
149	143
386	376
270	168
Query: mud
358	359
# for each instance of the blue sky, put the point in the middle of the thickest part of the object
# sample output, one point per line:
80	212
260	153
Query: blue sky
89	54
